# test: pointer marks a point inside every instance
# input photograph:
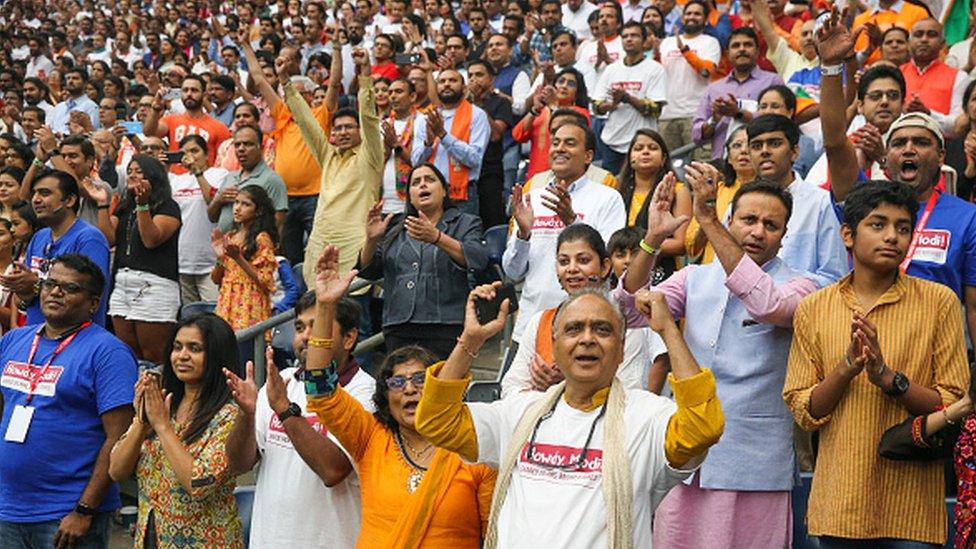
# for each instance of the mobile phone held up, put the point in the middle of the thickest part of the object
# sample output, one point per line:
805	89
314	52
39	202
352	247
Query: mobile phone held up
174	157
487	309
406	58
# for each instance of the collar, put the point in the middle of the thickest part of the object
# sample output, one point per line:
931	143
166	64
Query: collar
596	400
752	74
257	171
893	294
574	186
922	71
896	7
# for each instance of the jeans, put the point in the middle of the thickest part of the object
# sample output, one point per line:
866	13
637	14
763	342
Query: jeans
601	149
40	535
298	225
830	542
612	160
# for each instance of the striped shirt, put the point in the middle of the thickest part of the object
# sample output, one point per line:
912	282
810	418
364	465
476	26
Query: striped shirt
856	493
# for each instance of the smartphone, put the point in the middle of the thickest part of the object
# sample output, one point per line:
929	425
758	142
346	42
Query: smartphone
132	128
174	157
487	310
406	58
173	94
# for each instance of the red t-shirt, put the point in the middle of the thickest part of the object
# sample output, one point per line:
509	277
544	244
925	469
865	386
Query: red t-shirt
206	126
388	70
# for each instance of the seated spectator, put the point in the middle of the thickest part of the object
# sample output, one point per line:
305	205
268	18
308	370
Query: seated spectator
424	258
23	225
176	443
145	232
11	178
246	260
413	494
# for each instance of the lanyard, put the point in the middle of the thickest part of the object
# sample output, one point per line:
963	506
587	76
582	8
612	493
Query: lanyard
919	227
36	379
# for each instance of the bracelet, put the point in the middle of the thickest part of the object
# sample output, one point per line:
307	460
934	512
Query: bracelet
142	207
37	162
438	239
320	342
321	382
651	250
832	70
945	415
102	206
465	349
533	112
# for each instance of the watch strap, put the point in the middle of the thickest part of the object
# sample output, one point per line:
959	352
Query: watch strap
832	70
899	385
293	410
84	510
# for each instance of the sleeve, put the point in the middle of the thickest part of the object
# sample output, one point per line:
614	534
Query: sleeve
264	261
521	89
699	421
909	441
522	132
473	245
315	138
783	58
279	193
470	153
210	464
375	269
96	248
115	374
515	260
601	93
950	365
419	151
517	379
674	292
656	85
345	418
702	115
804	370
287	278
486	489
700	65
613	216
764	300
969	263
831	253
369	123
442	416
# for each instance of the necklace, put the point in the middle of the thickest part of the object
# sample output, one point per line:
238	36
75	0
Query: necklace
417	475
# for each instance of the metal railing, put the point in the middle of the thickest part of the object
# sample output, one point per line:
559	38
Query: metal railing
258	333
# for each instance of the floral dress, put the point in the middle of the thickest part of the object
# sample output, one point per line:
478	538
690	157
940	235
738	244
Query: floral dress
203	517
965	465
243	302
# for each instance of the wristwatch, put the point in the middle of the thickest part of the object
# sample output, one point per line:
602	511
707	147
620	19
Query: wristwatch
899	385
84	510
292	410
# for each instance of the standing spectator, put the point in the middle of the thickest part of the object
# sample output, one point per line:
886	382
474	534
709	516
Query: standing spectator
352	169
564	47
404	129
221	93
175	444
144	230
492	184
54	198
690	60
74	84
246	261
633	90
865	351
194	121
457	136
384	48
575	17
192	191
424	258
731	101
245	114
885	15
605	48
932	86
67	399
38	63
569	196
782	101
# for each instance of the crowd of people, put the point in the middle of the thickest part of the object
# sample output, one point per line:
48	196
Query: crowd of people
741	244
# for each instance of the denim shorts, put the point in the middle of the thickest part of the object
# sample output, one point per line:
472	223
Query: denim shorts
144	297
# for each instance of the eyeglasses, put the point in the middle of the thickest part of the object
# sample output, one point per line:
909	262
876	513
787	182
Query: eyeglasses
892	95
399	383
568	82
50	284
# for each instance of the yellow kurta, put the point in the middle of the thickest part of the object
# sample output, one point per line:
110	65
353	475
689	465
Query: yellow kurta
856	493
350	181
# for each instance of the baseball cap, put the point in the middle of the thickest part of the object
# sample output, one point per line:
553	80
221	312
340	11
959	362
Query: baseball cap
916	120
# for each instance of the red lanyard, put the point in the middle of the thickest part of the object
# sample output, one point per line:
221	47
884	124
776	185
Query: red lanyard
36	379
919	227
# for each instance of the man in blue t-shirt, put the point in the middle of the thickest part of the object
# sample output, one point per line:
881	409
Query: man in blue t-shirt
943	246
67	387
55	199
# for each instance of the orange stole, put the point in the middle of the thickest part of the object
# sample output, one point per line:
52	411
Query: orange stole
457	173
543	336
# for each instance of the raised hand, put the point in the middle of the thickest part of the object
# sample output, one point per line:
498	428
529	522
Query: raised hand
869	141
834	41
376	222
522	212
95	192
475	332
866	335
559	201
244	391
218	244
661	223
703	179
421	228
158	406
654	307
389	136
542	374
435	126
329	286
276	387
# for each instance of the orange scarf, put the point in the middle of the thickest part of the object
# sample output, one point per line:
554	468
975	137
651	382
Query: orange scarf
403	167
457	173
412	524
543	336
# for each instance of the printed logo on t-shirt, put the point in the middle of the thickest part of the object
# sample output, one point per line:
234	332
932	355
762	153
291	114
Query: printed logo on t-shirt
629	86
278	436
184	130
550	223
18	375
187	192
613	55
552	462
39	265
932	246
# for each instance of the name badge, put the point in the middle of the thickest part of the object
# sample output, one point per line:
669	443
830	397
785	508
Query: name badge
19	423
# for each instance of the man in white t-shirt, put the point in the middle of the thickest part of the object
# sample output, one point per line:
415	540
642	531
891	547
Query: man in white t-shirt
575	16
690	59
633	91
600	52
563	46
404	127
585	463
307	492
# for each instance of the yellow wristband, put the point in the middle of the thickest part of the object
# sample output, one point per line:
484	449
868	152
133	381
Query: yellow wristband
648	248
320	342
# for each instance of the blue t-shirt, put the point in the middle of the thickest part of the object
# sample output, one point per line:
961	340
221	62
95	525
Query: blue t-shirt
42	478
81	238
946	249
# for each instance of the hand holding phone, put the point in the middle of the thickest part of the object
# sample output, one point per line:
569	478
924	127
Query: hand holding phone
487	310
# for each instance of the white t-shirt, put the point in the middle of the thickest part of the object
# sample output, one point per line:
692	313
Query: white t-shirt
641	347
685	85
577	21
587	54
644	80
196	255
292	506
589	78
549	507
391	201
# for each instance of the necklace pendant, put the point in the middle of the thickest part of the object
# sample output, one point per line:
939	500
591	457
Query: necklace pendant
413	481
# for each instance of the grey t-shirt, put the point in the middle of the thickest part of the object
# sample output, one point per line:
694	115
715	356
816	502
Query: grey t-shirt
262	176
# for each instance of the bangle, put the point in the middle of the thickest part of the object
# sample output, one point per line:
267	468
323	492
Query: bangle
465	349
832	70
945	415
142	207
651	250
438	239
102	206
37	162
321	382
533	112
320	342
